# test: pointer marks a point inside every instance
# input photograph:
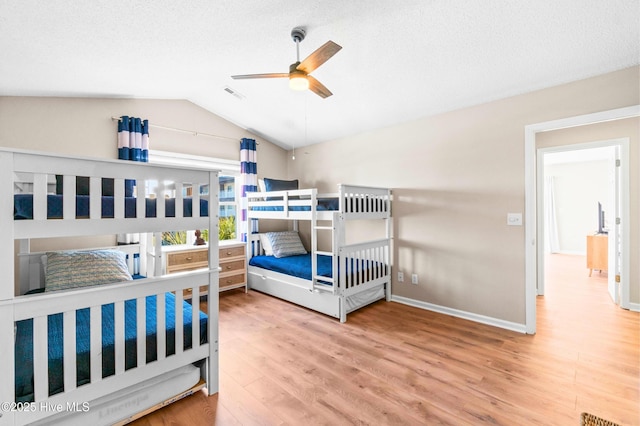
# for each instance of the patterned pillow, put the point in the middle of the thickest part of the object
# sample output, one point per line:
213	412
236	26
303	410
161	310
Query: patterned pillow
286	243
71	269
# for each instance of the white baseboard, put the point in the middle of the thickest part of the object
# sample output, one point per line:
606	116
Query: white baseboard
635	307
520	328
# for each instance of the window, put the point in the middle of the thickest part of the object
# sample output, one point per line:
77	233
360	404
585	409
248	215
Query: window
229	195
228	225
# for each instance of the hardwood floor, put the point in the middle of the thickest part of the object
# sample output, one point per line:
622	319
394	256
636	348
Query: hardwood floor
394	364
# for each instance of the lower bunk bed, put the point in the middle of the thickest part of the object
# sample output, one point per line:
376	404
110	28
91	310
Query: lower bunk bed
363	277
58	370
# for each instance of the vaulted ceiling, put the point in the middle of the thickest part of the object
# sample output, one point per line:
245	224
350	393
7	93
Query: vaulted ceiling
400	60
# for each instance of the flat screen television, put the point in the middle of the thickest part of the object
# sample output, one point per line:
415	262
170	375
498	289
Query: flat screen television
602	229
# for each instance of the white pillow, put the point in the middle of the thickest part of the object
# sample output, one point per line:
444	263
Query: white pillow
261	186
266	245
286	243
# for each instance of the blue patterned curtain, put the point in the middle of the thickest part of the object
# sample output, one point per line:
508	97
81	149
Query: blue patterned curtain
249	183
133	139
133	145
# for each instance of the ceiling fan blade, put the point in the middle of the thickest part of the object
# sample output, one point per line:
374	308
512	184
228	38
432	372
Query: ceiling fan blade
319	57
272	75
318	88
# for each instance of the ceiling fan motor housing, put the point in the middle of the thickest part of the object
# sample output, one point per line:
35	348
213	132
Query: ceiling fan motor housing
297	34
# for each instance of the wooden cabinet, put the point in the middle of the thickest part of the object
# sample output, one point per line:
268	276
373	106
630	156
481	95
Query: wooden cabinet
597	252
232	261
233	265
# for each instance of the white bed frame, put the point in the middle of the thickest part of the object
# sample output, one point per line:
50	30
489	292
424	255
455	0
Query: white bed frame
350	290
15	306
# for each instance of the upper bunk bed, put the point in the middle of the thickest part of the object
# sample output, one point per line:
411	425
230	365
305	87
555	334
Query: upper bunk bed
350	202
77	341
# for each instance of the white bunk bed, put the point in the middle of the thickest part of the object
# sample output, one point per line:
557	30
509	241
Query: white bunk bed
184	340
364	268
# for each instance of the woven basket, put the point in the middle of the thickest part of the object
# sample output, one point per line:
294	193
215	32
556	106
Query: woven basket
587	419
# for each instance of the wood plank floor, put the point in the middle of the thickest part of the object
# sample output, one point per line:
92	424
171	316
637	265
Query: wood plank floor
394	364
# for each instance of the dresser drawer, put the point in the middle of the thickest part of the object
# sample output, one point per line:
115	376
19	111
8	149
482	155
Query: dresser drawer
228	252
187	260
238	279
186	257
232	266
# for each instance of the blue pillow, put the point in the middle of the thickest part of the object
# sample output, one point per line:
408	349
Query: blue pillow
279	185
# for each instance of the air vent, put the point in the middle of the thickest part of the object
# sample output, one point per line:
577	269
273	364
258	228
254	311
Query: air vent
232	92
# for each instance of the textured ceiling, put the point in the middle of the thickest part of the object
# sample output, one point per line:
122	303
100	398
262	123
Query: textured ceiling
401	60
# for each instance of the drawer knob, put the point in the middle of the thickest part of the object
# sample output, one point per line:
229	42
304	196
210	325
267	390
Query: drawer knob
228	253
189	258
228	267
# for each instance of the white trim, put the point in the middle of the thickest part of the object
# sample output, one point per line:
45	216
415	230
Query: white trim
482	319
178	159
530	193
635	307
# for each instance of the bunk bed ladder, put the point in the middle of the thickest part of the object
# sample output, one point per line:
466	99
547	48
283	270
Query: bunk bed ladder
323	283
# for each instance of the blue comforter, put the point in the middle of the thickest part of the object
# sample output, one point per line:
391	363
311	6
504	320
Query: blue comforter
300	265
297	266
24	343
23	207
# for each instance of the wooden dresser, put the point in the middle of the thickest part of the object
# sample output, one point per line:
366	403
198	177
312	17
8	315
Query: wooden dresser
597	252
232	261
233	265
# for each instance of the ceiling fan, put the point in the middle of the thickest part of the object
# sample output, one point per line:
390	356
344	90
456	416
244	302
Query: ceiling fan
298	75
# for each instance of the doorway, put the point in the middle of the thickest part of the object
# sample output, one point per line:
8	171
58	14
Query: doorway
580	197
531	208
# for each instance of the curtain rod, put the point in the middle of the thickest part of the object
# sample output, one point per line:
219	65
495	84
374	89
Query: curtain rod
194	133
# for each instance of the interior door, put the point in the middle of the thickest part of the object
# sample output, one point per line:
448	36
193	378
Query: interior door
615	227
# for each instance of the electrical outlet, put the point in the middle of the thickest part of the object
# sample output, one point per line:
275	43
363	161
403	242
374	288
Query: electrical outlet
400	277
414	279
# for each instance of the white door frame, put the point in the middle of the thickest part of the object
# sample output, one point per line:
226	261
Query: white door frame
531	233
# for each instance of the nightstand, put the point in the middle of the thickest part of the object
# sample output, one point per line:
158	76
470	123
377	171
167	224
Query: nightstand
233	265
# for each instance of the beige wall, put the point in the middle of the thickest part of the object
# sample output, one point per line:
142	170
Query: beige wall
455	176
83	126
628	128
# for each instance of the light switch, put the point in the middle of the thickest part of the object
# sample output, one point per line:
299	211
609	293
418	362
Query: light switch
514	219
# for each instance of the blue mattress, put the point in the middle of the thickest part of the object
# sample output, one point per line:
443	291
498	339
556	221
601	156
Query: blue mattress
23	207
300	265
324	204
24	343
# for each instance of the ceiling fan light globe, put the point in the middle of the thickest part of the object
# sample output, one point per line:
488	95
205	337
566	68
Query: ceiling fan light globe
298	82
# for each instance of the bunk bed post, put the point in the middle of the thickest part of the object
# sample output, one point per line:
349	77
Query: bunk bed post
7	289
314	239
387	207
212	298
